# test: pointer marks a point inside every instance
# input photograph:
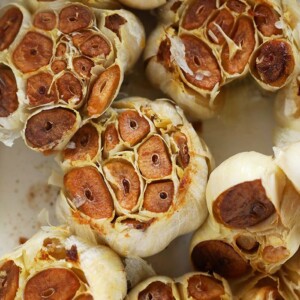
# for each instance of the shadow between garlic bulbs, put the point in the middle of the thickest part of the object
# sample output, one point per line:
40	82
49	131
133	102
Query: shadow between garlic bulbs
143	180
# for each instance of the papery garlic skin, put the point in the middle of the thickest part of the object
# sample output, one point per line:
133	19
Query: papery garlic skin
156	171
56	248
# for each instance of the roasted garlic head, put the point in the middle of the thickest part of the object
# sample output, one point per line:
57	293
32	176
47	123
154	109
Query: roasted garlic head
58	57
254	212
54	264
136	176
200	46
196	286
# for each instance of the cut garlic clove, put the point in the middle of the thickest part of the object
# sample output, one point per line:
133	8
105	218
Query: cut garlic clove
8	92
84	145
74	17
159	287
197	13
53	282
10	24
33	52
236	6
88	192
256	190
212	252
154	159
266	18
124	181
159	196
110	139
132	127
273	64
104	91
9	279
50	128
83	66
200	286
40	89
235	57
45	20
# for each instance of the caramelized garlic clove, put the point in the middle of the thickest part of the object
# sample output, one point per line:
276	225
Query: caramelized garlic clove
236	6
58	66
104	90
158	196
74	17
132	127
52	283
83	66
33	52
8	92
197	13
95	46
219	257
87	190
183	155
40	89
243	205
110	139
273	63
266	17
84	145
153	158
9	280
235	61
10	24
50	128
125	182
70	89
45	20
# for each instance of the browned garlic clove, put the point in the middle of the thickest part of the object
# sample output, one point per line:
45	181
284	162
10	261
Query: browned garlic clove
33	52
219	257
159	196
110	138
58	66
183	155
266	17
9	280
156	290
124	181
153	158
45	20
103	91
47	128
10	23
133	127
83	66
87	190
41	90
84	145
54	283
8	92
74	17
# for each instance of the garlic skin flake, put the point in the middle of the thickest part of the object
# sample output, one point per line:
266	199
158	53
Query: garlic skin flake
148	175
90	269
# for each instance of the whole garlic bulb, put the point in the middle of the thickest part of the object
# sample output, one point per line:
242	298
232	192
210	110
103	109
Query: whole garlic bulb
201	46
62	53
136	177
55	264
254	208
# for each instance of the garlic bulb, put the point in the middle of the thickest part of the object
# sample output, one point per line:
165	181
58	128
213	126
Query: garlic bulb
202	45
254	208
57	265
194	285
136	173
63	53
